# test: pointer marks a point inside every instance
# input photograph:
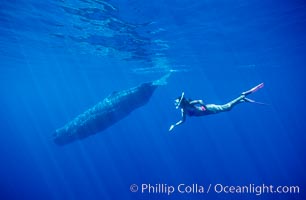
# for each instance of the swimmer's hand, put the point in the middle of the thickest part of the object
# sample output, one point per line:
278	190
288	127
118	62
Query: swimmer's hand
171	127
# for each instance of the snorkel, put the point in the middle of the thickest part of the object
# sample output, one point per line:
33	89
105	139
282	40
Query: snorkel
179	101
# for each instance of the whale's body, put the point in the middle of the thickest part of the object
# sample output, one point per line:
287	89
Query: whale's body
106	113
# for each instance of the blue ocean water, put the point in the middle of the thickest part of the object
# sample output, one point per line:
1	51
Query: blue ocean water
59	58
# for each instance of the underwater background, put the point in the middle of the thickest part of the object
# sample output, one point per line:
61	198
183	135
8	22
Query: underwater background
59	58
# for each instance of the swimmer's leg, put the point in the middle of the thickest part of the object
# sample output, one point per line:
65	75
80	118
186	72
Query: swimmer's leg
242	98
225	107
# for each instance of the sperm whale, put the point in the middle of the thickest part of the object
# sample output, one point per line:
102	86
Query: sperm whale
107	112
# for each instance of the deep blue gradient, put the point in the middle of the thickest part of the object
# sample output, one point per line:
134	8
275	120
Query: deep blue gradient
59	58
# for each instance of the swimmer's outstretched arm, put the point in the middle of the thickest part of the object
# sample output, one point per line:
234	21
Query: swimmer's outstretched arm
196	102
179	122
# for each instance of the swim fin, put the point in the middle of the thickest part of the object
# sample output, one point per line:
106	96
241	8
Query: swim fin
253	101
254	89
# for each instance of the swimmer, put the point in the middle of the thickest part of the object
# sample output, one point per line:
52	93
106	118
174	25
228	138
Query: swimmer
198	108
